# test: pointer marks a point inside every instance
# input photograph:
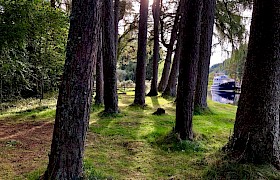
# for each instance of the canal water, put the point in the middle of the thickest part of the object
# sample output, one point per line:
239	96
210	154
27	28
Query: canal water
224	97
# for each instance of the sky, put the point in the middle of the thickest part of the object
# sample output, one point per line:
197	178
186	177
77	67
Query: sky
218	55
218	52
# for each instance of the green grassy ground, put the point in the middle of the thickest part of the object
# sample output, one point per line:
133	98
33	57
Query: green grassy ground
138	145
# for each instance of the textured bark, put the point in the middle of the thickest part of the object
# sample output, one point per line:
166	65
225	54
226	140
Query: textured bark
207	23
99	97
141	55
116	22
256	130
171	88
74	100
1	92
154	83
173	38
189	57
109	59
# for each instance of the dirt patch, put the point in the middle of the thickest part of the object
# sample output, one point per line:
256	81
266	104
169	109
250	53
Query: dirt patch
25	146
133	147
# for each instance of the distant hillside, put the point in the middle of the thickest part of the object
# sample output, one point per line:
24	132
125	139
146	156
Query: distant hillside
233	67
216	67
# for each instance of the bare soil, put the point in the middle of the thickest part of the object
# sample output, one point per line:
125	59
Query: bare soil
24	146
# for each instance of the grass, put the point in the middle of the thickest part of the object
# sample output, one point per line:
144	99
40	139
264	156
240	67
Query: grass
138	145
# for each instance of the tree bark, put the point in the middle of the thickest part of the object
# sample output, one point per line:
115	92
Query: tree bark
173	38
99	97
74	100
109	59
189	57
141	55
207	23
154	83
256	130
171	88
116	22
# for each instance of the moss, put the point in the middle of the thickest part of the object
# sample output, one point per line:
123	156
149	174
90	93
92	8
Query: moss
137	145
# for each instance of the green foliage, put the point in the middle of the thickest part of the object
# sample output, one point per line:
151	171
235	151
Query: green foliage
130	69
33	37
234	66
228	21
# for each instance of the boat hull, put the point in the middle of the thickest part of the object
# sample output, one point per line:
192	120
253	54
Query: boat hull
225	86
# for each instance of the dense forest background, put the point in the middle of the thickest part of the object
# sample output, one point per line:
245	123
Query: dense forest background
34	35
139	62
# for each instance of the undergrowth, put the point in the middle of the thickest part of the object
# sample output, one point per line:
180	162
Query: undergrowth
135	144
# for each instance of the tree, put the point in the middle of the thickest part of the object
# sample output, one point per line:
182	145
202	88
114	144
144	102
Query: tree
99	97
171	88
33	37
170	48
207	24
74	100
189	56
229	25
156	14
256	129
234	66
116	23
141	55
109	59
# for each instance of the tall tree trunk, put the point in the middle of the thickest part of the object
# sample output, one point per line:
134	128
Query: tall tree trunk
256	129
141	55
173	38
189	57
109	59
99	97
74	100
156	14
1	92
207	23
171	87
116	22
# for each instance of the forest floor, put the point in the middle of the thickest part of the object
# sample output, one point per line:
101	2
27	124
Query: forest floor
132	145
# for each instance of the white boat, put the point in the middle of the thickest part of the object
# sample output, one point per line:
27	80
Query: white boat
223	82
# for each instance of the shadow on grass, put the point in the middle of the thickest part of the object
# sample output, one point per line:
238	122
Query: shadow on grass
90	173
203	111
225	169
171	143
169	98
118	124
96	108
115	136
33	110
32	114
155	102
